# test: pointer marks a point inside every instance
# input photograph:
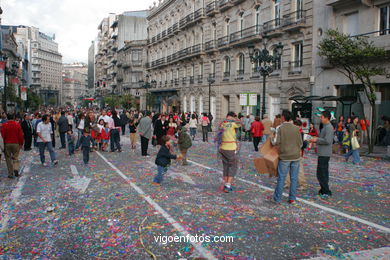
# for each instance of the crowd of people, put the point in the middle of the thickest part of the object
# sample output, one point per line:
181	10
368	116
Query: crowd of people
101	130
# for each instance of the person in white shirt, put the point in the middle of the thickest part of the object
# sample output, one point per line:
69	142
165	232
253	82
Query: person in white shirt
105	117
44	132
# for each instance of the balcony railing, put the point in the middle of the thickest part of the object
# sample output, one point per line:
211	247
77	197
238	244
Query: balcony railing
175	27
176	82
240	72
296	64
224	4
191	79
294	18
211	8
272	25
196	48
198	14
246	33
223	41
200	78
183	22
170	30
184	80
158	37
163	34
226	75
210	45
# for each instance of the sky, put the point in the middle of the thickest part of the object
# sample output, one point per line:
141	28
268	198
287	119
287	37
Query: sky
74	22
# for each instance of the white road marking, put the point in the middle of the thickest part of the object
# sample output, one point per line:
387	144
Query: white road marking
182	176
78	183
378	253
14	196
198	246
336	212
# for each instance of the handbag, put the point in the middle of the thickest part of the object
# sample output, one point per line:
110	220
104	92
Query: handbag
354	142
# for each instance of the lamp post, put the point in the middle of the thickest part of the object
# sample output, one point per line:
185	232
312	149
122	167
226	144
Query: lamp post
146	85
264	62
7	72
210	80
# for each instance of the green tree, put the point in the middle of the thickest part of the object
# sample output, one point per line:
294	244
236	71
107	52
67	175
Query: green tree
33	100
150	101
111	101
128	101
360	61
52	101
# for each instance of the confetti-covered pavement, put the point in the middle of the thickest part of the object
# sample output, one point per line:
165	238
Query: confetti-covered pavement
110	209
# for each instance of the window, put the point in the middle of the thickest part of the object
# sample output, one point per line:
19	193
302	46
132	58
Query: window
226	66
227	27
278	62
299	9
241	22
298	55
201	69
256	64
213	68
257	19
384	20
277	12
214	32
241	64
192	70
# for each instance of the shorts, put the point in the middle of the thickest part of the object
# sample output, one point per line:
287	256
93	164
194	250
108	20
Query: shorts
230	162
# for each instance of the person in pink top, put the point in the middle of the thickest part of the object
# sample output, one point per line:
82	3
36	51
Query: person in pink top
205	121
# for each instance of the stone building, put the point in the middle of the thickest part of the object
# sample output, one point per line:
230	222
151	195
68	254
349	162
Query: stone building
75	83
114	32
365	18
192	41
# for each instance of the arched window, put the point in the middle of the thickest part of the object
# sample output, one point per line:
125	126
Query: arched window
257	19
255	65
227	27
278	61
242	21
241	64
226	66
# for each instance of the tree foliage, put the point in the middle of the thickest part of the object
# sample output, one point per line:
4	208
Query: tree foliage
360	61
33	100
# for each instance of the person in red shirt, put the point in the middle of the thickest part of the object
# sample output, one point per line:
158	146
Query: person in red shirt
12	134
314	133
364	124
257	129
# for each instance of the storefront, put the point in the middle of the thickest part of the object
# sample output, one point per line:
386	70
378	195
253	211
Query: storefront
165	101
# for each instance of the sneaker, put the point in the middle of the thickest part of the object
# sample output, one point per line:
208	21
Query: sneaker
226	189
291	201
156	183
55	162
16	173
324	196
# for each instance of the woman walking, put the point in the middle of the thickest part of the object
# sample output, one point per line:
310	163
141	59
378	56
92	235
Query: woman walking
193	124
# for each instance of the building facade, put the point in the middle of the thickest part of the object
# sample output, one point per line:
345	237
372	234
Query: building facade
114	32
75	83
45	64
192	41
91	66
367	18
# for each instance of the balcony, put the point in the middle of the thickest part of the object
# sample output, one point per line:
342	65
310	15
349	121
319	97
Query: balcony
247	35
192	80
175	28
158	37
153	39
294	21
200	79
211	9
224	5
183	22
176	82
189	19
147	65
136	63
196	49
170	30
236	2
344	3
223	42
272	28
295	67
240	74
210	46
184	80
169	58
198	14
163	34
226	76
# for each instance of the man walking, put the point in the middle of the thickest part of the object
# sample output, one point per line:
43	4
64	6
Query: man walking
324	150
12	134
63	126
228	150
145	131
28	130
44	132
289	140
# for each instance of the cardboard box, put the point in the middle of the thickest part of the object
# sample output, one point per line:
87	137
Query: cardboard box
270	157
261	166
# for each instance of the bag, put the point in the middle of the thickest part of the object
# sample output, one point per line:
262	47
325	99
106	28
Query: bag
154	141
355	143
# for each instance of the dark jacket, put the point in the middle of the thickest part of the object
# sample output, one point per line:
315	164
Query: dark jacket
63	125
164	156
160	129
86	141
124	119
117	121
184	140
27	127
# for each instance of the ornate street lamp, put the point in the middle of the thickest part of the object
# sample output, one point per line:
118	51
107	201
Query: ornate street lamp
146	85
264	64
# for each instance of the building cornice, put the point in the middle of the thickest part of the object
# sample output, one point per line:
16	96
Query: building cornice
154	11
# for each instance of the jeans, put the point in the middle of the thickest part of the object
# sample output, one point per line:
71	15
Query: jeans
27	142
283	169
161	171
115	140
193	132
62	137
355	156
86	150
205	133
79	135
144	145
123	129
323	174
71	148
49	146
256	141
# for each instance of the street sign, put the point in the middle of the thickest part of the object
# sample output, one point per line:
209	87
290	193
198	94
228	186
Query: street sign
23	93
248	99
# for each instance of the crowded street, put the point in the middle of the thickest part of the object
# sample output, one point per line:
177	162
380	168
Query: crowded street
110	209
